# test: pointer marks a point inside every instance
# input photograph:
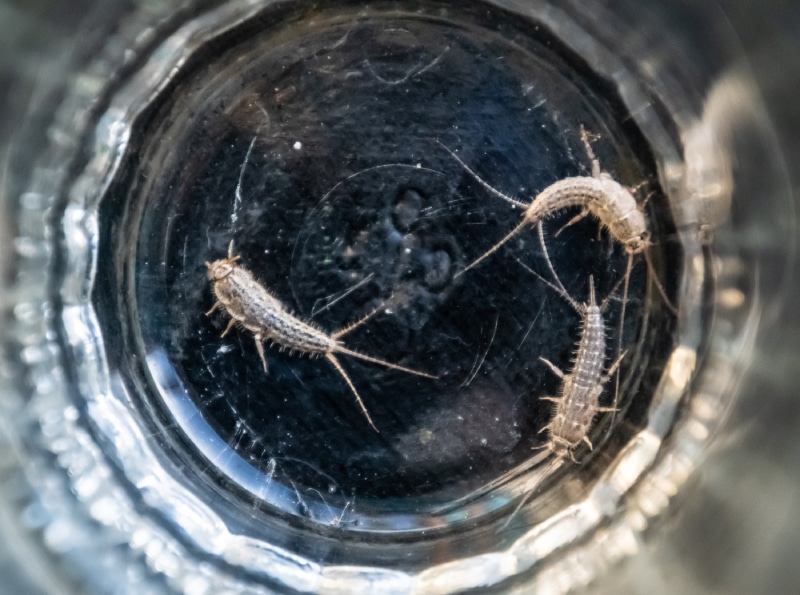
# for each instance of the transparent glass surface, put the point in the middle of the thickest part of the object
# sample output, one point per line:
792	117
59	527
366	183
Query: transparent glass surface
354	155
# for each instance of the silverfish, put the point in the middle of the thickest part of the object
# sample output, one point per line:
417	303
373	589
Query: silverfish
251	306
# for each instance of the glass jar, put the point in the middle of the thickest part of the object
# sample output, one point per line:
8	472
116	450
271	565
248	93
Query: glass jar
351	161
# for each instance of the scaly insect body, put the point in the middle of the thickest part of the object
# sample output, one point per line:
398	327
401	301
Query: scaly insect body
253	307
600	195
578	400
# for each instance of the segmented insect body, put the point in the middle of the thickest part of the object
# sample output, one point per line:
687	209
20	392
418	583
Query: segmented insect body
600	195
578	401
581	388
253	307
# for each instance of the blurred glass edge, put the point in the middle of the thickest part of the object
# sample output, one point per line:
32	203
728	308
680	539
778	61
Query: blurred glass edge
732	530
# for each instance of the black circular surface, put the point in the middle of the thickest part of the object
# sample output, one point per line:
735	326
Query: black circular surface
318	149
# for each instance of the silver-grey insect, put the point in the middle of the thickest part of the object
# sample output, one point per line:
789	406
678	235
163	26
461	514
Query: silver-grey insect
578	401
251	306
599	195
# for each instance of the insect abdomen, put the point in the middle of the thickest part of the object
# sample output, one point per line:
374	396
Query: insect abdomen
590	357
581	390
569	192
260	312
609	201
